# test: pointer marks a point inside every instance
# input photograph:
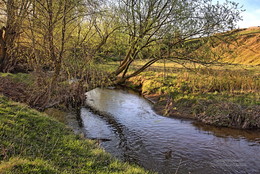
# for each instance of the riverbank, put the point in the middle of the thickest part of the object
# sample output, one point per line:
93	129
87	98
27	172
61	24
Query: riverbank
214	99
34	142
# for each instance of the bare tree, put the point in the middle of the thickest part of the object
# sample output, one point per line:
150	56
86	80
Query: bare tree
60	34
49	29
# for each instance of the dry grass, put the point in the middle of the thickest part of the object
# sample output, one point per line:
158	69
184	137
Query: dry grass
247	48
209	80
227	114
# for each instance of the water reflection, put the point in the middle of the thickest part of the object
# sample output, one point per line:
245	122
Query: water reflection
223	132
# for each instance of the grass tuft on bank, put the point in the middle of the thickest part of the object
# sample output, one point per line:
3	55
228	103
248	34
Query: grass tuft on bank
32	142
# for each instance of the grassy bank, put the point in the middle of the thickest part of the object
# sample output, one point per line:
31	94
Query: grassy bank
32	142
222	97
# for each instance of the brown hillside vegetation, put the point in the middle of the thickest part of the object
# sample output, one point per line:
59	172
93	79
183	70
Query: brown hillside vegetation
247	49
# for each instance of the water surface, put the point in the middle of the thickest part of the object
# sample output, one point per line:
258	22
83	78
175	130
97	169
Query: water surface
166	145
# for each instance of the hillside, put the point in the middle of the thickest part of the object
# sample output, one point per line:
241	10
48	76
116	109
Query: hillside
247	50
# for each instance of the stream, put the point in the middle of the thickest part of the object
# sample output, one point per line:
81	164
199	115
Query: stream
133	132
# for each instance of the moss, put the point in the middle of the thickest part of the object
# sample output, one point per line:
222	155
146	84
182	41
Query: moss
32	142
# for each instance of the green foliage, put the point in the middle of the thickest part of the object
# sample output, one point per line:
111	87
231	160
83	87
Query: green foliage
31	142
250	99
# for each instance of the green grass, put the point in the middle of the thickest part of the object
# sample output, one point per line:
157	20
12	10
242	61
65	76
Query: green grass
220	96
234	82
32	142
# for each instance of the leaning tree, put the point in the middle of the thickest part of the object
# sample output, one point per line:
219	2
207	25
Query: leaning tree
172	29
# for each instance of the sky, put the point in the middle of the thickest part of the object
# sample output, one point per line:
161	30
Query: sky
251	17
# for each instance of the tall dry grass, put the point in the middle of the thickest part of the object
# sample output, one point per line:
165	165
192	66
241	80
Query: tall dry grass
209	80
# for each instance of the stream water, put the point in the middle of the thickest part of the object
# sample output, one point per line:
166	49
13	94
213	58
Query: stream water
134	132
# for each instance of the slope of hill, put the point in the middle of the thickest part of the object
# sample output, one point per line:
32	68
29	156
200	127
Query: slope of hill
247	50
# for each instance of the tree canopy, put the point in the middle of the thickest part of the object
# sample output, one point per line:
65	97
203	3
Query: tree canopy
172	29
68	38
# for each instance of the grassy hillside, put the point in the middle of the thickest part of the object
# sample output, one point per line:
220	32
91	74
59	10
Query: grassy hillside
247	51
31	142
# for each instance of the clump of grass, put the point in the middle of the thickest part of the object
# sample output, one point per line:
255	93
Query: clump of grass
32	142
227	114
20	165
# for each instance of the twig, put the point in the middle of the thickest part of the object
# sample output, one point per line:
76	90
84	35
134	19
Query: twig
178	167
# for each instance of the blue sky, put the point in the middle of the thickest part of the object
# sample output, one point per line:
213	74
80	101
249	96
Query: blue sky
251	17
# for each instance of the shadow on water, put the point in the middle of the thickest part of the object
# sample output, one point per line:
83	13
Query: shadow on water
223	132
137	134
101	124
